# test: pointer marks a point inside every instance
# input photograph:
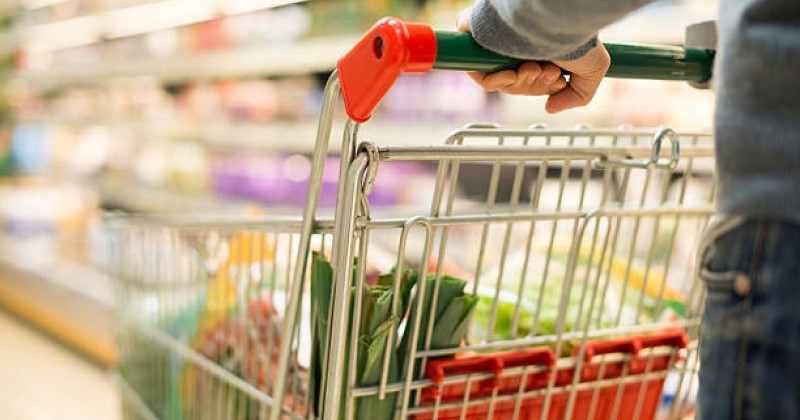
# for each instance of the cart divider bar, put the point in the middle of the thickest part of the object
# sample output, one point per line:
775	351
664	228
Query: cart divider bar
568	336
520	153
484	130
437	221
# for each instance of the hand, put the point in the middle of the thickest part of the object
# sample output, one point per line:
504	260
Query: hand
545	78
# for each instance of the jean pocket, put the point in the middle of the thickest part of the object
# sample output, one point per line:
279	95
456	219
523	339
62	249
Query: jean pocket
721	271
724	285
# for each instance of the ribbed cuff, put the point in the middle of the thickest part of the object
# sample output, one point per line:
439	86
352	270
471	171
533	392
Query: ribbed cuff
495	34
580	51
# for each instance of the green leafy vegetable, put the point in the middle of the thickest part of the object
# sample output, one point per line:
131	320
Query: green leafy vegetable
378	328
451	317
321	283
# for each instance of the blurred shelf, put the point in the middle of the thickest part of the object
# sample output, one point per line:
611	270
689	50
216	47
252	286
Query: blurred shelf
71	302
274	136
292	59
661	22
134	197
103	20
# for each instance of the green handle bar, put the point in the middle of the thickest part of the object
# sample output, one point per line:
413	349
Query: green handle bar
459	51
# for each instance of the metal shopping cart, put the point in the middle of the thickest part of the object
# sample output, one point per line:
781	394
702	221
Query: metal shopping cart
558	284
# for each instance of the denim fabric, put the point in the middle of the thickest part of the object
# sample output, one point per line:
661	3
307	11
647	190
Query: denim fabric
750	336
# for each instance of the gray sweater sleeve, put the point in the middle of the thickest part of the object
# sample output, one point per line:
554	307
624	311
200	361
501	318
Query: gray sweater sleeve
545	29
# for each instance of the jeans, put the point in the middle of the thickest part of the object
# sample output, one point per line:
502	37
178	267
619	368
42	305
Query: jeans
750	335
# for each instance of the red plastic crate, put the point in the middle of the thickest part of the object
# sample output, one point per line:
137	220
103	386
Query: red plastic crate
486	390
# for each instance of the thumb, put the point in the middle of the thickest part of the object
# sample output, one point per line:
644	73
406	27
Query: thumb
586	74
579	92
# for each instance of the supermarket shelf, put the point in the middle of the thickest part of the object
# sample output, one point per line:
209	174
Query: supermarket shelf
130	196
286	136
50	301
311	56
134	197
281	136
661	22
102	21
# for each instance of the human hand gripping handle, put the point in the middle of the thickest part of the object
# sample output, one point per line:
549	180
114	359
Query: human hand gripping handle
540	78
393	47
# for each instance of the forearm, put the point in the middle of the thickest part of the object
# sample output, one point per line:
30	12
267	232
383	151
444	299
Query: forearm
545	29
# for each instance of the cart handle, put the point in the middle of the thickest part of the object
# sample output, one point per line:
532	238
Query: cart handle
393	47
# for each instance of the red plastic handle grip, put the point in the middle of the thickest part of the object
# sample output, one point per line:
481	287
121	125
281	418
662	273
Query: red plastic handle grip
671	338
541	356
600	347
494	363
436	370
676	339
371	67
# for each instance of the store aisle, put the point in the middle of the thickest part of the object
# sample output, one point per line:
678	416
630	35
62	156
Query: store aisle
41	379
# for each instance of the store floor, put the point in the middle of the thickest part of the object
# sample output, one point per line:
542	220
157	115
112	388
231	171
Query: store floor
41	379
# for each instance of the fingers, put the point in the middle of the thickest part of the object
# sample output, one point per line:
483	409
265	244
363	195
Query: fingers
549	80
496	81
536	79
531	78
545	78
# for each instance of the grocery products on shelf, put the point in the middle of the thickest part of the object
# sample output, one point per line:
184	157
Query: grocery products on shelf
283	180
48	228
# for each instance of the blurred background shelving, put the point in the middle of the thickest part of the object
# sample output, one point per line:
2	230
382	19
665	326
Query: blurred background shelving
211	106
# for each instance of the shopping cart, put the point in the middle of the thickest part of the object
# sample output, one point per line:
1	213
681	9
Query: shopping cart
555	283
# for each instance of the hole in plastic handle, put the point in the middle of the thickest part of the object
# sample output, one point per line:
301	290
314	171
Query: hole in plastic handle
377	48
391	47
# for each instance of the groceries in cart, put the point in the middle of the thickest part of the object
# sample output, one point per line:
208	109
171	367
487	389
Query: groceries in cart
529	305
461	318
